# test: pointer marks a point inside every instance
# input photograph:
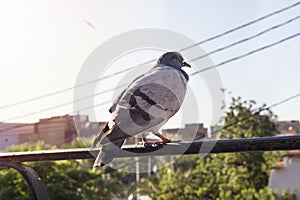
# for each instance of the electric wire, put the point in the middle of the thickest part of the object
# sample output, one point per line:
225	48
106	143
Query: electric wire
183	49
244	55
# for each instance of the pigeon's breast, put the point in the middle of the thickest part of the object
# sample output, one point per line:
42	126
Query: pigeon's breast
166	87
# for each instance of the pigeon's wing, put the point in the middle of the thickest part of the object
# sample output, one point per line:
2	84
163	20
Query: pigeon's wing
164	102
117	100
115	103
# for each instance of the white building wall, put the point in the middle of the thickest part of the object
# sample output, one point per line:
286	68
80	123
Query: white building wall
10	133
288	177
7	140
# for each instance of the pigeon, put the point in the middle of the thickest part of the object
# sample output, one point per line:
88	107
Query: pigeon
144	106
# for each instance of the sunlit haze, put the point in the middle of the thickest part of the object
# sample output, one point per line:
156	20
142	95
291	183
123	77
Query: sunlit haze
44	44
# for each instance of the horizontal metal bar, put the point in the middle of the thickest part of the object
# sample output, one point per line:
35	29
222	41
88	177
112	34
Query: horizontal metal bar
175	148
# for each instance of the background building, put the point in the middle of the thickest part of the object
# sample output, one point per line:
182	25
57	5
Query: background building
62	129
16	133
286	175
288	127
55	131
190	132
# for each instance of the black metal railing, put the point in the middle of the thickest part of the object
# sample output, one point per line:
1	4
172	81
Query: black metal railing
15	159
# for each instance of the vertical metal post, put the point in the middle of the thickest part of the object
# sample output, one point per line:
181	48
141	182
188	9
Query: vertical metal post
149	166
137	171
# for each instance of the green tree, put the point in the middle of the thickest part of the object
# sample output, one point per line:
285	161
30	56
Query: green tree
227	176
72	179
13	186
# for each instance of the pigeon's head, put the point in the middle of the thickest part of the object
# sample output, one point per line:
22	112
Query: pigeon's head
173	59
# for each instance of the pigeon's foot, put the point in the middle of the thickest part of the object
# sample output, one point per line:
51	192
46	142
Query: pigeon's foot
162	138
146	143
154	144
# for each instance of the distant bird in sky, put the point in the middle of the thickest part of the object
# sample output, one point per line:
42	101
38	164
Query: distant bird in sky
144	106
89	24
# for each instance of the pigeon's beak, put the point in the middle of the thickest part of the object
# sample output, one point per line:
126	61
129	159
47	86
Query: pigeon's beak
184	64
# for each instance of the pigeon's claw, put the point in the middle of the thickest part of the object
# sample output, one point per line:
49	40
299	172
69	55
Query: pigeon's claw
163	138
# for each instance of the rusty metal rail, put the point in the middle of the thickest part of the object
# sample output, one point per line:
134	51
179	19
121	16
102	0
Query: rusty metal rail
15	159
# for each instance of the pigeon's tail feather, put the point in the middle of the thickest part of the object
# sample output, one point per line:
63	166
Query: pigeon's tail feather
111	142
100	135
107	154
99	161
114	135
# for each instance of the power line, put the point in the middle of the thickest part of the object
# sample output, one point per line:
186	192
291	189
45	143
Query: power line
94	106
82	109
59	105
242	26
284	101
247	38
183	49
197	58
257	112
244	55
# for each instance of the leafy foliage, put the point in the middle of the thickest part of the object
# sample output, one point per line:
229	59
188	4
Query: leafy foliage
71	179
230	176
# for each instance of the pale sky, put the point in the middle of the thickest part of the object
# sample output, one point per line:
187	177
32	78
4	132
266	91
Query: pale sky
45	43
